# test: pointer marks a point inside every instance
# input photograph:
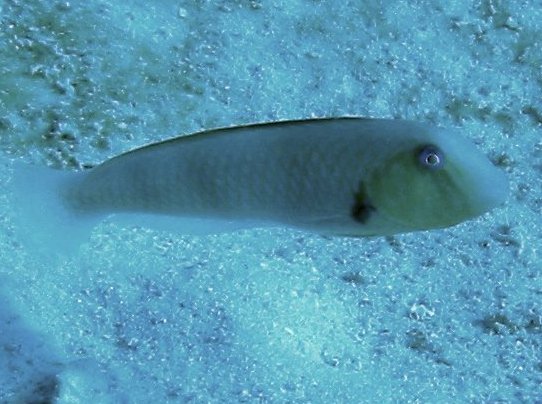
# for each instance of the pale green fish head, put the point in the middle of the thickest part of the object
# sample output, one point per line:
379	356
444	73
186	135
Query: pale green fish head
437	179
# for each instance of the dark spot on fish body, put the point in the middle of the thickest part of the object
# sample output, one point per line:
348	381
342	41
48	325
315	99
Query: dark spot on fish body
362	208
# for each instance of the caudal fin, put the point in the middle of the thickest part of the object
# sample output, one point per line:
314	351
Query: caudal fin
43	218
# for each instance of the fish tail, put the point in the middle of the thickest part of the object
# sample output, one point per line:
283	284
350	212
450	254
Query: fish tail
44	220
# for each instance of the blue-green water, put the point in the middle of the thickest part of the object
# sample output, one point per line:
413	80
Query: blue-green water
138	315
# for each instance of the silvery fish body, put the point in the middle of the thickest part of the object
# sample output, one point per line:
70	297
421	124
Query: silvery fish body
342	176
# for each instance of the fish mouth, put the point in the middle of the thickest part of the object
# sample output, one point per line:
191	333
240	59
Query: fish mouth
490	192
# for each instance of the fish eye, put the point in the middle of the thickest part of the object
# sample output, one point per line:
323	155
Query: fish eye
431	157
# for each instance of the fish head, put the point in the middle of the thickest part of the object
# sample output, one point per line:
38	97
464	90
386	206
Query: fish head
433	178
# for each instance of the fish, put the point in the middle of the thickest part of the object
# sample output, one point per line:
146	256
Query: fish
345	176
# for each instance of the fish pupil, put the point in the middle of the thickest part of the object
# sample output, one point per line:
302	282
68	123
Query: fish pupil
431	157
